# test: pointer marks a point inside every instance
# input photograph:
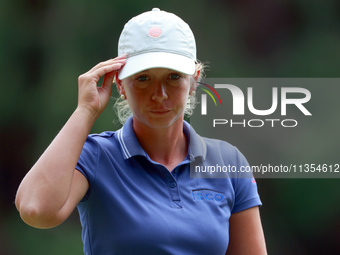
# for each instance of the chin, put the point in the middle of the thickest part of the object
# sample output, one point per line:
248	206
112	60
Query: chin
159	123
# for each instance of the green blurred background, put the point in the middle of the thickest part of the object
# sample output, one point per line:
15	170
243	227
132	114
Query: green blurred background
46	45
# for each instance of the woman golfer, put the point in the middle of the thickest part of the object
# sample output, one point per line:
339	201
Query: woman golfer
132	187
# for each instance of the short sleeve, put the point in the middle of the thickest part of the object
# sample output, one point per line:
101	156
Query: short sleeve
245	188
88	160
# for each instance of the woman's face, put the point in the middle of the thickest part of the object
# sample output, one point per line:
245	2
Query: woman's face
157	96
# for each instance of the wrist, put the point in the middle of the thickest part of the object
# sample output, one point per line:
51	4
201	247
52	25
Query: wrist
86	115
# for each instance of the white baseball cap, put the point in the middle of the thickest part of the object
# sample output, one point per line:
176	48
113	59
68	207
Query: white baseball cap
157	39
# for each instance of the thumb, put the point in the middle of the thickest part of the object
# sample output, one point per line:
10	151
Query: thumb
108	81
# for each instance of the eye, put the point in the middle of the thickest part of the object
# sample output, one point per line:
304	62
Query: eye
142	78
174	76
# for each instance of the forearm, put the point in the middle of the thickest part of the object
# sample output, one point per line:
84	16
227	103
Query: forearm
246	233
46	187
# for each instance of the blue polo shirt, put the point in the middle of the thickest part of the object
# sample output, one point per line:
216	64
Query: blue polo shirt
136	206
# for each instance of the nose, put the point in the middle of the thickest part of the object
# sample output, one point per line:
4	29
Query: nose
160	92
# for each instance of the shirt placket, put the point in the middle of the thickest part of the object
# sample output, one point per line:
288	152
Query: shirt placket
172	186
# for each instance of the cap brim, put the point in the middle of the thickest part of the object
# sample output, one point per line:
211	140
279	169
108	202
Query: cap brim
138	63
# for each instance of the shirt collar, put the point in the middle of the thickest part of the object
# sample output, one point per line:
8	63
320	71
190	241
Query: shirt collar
197	146
128	141
131	147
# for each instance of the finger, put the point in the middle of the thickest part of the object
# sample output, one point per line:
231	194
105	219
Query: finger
106	69
120	59
108	80
121	56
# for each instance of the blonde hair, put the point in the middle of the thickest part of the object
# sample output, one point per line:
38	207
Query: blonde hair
123	111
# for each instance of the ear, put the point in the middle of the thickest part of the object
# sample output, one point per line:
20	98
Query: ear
197	75
120	85
195	78
193	85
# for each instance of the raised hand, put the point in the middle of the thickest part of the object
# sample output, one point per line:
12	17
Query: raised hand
90	95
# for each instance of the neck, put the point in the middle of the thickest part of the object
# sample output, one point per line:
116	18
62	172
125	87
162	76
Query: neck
167	146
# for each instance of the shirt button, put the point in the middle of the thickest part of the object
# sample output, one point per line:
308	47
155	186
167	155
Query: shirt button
173	184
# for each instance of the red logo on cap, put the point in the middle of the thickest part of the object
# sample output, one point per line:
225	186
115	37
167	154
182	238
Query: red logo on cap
155	32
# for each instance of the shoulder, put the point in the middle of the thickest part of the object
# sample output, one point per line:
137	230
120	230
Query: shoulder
224	149
210	147
101	139
220	160
96	144
102	136
216	144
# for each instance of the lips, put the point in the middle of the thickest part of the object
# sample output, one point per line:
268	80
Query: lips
160	111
